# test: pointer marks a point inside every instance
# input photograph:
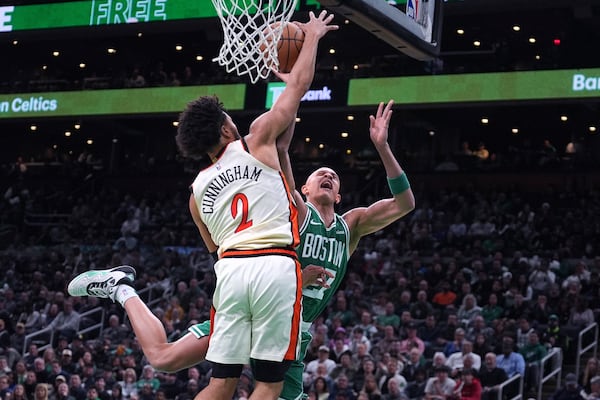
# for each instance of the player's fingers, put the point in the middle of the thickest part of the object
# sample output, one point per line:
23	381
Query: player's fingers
328	18
389	105
380	109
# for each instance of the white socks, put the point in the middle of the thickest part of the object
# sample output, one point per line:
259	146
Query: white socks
124	293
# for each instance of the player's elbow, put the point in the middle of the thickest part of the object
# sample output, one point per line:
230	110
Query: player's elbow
406	203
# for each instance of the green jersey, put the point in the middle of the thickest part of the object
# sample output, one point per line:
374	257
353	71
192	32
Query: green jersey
326	247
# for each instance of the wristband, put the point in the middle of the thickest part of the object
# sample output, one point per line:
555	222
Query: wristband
398	184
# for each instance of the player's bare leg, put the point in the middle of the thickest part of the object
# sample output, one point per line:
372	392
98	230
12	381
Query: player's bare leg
116	284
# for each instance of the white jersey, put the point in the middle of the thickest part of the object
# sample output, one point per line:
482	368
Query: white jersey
245	204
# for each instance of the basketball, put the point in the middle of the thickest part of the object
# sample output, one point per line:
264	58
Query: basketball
289	46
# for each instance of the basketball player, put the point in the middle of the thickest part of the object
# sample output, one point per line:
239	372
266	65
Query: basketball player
243	209
321	225
328	239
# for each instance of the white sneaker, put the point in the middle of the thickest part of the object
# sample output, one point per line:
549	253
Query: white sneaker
101	283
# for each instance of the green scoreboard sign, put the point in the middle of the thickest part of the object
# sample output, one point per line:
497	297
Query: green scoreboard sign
474	88
115	102
106	12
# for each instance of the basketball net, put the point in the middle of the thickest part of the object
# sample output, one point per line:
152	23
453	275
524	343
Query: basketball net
251	35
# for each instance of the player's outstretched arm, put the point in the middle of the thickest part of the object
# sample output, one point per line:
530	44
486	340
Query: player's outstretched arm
363	221
272	123
283	146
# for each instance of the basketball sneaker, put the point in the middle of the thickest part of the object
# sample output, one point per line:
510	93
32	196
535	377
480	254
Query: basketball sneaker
101	283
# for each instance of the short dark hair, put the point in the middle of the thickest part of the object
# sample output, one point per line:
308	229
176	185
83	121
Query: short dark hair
199	126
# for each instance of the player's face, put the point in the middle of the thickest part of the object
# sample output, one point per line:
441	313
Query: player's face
322	185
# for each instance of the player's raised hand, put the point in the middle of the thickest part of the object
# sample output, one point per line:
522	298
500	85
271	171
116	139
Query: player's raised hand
317	26
380	123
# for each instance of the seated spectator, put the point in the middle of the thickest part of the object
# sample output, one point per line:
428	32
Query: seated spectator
523	332
580	276
491	377
554	336
367	368
541	310
411	341
448	328
339	348
148	378
541	277
431	335
468	310
191	390
4	368
129	383
17	338
519	308
370	388
76	388
456	345
533	353
30	384
412	363
512	363
421	308
481	345
115	331
416	388
310	371
360	354
19	393
389	318
358	336
394	391
593	393
479	326
386	343
366	324
570	391
100	385
491	310
455	361
589	371
346	366
438	360
444	297
440	386
467	386
66	322
41	392
392	372
321	388
342	389
580	316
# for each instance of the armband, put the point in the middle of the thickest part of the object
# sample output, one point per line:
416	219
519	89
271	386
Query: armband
398	184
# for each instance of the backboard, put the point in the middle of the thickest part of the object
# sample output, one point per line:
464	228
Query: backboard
414	29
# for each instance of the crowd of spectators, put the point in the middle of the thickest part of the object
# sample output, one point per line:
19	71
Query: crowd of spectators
473	287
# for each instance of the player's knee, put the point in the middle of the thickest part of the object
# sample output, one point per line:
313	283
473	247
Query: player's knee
270	371
224	371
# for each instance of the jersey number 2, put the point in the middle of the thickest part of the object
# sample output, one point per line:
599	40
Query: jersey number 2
241	198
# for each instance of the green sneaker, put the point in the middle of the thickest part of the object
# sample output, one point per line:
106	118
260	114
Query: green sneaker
101	283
